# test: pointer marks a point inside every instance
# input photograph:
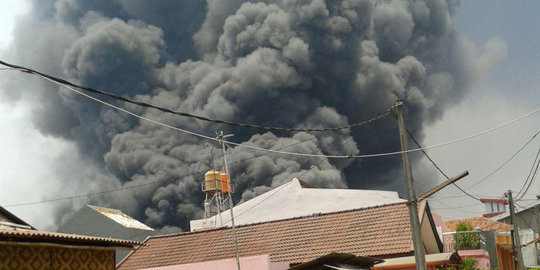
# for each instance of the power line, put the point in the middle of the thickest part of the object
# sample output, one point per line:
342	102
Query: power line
204	136
531	176
283	152
528	224
438	168
136	186
506	162
147	105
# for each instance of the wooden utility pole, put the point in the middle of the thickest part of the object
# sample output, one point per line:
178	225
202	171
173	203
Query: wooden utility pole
419	254
442	185
516	242
221	138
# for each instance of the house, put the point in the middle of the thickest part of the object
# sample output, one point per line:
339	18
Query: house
306	199
528	222
381	231
24	247
494	207
492	249
481	223
9	219
106	222
338	261
433	262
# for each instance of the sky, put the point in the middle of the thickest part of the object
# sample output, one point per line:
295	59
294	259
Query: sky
501	35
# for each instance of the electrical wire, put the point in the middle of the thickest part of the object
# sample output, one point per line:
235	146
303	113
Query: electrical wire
530	177
147	105
454	207
284	152
67	86
283	186
438	168
135	186
520	217
506	162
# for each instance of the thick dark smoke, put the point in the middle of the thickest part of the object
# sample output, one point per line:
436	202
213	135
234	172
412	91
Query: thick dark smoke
304	63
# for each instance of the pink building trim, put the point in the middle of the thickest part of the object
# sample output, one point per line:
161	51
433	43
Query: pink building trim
480	256
261	262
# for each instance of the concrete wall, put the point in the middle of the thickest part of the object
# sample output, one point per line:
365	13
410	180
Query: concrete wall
480	256
261	262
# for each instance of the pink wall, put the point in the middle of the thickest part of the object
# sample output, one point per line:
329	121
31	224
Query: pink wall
481	257
255	262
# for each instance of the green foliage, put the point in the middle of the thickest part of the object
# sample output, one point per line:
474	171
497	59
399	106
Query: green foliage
465	238
468	263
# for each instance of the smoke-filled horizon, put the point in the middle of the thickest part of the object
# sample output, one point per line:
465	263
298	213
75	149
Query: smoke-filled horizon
273	63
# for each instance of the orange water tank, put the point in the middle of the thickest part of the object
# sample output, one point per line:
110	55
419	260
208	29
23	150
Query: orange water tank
212	181
224	186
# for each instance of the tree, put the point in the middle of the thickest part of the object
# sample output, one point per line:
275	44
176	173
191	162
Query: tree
468	263
465	237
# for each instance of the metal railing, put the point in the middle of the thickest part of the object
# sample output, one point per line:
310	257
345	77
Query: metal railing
463	240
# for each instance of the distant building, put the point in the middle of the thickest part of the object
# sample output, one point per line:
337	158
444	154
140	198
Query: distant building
528	223
9	219
494	207
296	199
381	231
24	247
489	242
106	222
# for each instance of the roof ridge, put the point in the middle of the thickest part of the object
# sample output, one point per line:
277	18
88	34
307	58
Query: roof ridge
106	208
271	221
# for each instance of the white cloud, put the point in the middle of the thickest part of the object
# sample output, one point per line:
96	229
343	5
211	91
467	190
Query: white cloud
483	154
9	10
27	163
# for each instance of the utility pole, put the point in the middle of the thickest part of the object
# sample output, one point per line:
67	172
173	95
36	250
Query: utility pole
221	138
516	242
419	254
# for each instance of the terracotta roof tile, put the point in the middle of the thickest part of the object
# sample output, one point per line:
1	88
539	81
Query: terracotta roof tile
483	223
24	235
379	231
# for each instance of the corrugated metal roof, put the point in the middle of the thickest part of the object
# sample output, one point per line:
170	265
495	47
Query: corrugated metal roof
121	218
10	234
296	199
380	231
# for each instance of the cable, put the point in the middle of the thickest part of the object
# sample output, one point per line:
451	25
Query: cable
528	224
454	207
439	169
530	177
147	105
283	186
506	162
290	153
136	186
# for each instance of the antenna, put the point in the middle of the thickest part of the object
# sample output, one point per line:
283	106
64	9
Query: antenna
221	138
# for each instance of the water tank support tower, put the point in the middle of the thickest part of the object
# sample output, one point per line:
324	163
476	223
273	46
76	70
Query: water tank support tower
216	189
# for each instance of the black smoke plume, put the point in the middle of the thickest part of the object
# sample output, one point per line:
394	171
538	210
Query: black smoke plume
304	63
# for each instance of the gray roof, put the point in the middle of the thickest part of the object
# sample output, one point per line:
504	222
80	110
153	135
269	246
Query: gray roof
120	218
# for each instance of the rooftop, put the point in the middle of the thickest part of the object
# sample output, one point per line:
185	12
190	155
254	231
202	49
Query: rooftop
296	199
121	218
379	231
11	234
483	223
7	217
